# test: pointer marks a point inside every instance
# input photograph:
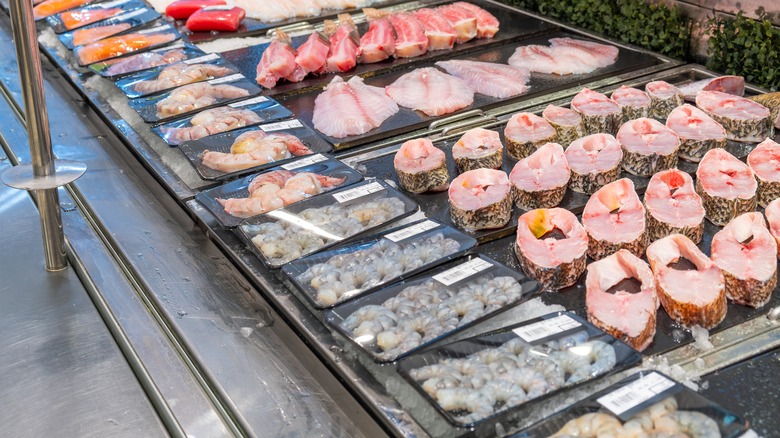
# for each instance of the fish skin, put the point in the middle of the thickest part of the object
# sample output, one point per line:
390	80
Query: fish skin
594	161
698	132
350	108
430	91
491	79
771	101
540	180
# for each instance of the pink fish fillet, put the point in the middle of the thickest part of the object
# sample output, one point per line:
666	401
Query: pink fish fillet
647	136
488	78
692	123
344	45
378	43
565	56
351	108
431	91
773	217
545	169
278	62
487	23
463	20
727	84
604	53
313	53
614	213
441	35
410	38
594	153
670	198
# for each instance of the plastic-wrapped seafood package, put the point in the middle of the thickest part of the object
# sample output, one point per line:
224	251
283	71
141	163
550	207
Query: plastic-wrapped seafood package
108	27
405	317
76	18
126	65
233	153
489	376
648	403
121	45
276	188
355	269
222	119
286	234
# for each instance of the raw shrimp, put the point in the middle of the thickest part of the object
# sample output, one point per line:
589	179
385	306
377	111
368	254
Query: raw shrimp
576	367
361	278
466	307
401	305
600	356
664	407
212	121
511	394
397	340
268	149
694	424
181	74
568	341
433	385
431	371
552	372
590	425
529	379
370	319
476	402
193	96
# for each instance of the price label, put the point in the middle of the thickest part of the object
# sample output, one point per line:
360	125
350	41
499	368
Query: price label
358	192
131	14
411	231
218	8
546	328
624	400
258	99
463	271
111	4
278	126
303	162
155	29
178	45
229	78
209	57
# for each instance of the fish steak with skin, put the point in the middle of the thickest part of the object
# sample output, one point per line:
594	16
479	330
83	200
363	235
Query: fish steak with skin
594	161
614	218
673	206
540	180
480	199
726	185
421	167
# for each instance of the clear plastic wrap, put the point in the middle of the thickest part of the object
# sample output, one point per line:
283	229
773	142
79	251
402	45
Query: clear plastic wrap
116	25
170	54
92	14
122	45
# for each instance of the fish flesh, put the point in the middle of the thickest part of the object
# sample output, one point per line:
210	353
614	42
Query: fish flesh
51	7
216	19
648	146
268	11
772	212
525	133
567	123
744	119
351	108
603	54
313	53
463	21
540	180
489	78
599	113
621	298
633	103
212	121
480	199
771	101
92	34
746	252
410	38
564	56
255	148
181	74
344	44
487	23
698	132
594	161
183	9
82	17
727	84
378	43
441	35
431	91
278	62
421	167
726	185
764	161
673	206
615	219
143	61
677	264
194	96
120	45
551	246
664	97
478	148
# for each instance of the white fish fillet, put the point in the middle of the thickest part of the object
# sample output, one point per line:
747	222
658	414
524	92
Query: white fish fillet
565	56
489	78
431	91
351	108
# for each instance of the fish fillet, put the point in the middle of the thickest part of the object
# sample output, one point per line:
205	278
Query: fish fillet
431	91
351	108
488	78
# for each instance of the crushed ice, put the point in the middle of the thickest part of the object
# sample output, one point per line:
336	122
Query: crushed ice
702	338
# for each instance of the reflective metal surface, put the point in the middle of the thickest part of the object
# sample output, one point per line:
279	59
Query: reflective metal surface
21	176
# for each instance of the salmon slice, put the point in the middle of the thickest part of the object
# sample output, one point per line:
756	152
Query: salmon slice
773	217
599	113
771	101
120	45
526	132
567	123
51	7
83	17
633	103
463	21
278	62
313	53
410	40
421	167
344	44
595	161
764	161
726	185
727	84
648	146
86	36
746	252
629	313
615	219
743	119
378	43
487	23
677	264
698	132
664	97
540	180
351	108
551	246
441	35
480	199
673	206
478	148
489	78
431	91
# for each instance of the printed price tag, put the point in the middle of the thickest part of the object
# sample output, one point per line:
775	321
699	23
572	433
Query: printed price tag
278	126
178	45
209	57
229	78
632	395
411	231
218	8
303	162
249	102
546	328
112	4
460	272
131	14
358	192
155	29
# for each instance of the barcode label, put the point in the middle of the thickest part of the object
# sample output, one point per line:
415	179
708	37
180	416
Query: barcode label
358	192
411	231
218	8
206	58
154	29
545	328
179	45
111	4
303	162
465	270
631	395
230	78
278	126
132	14
249	102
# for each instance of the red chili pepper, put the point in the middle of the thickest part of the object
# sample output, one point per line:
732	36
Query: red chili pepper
220	18
182	9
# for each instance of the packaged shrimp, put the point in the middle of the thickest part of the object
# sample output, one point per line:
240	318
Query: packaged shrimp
407	316
277	187
172	53
108	27
95	13
361	267
647	403
222	119
289	233
194	97
484	377
230	154
167	77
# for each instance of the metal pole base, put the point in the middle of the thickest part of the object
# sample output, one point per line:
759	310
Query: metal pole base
22	177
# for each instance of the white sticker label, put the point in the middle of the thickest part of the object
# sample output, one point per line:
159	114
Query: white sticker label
411	231
631	395
218	8
465	270
287	124
155	29
303	162
358	192
545	328
111	4
132	14
206	58
750	433
179	45
230	78
248	102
